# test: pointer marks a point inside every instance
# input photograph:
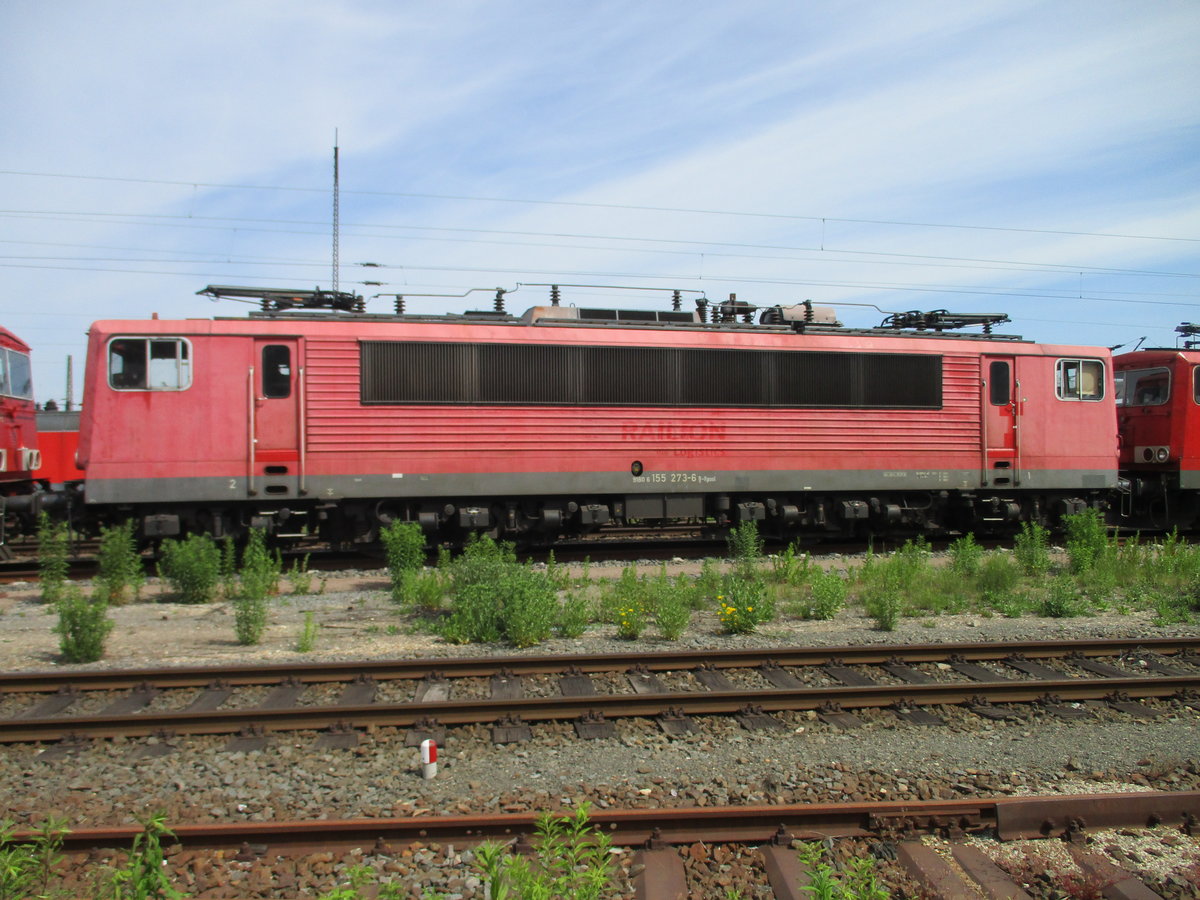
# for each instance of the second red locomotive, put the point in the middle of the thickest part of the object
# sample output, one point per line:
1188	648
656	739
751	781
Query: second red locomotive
557	422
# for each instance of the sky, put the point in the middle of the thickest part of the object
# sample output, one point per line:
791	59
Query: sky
1038	159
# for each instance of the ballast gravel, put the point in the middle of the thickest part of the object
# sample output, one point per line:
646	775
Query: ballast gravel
807	761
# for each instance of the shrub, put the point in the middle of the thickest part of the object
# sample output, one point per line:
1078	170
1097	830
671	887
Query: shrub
192	567
494	597
120	564
53	557
83	626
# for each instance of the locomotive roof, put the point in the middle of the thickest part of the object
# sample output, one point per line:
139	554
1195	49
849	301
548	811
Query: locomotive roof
11	341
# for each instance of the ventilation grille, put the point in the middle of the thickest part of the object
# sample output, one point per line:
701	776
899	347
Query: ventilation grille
411	372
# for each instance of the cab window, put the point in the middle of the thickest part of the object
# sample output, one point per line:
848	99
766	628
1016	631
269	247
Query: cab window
1145	387
16	375
149	364
1079	379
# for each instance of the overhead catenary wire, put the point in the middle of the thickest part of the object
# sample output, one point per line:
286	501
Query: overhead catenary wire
596	205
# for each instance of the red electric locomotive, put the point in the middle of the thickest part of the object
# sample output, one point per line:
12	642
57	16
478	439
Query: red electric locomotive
1158	418
304	420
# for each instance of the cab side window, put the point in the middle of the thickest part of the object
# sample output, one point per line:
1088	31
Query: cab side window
19	375
1079	379
149	364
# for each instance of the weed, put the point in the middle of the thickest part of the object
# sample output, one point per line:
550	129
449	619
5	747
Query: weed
998	578
261	569
630	619
1031	547
422	590
792	568
857	881
574	614
530	606
493	596
249	619
559	575
192	567
572	861
1087	539
965	556
308	634
1171	610
25	869
745	544
120	564
18	865
827	596
142	877
670	604
404	545
708	582
743	605
53	557
83	625
299	577
1062	600
883	604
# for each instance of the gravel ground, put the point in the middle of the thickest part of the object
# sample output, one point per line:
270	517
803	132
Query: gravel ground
722	763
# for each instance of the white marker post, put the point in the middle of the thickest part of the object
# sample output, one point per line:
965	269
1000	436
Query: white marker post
428	758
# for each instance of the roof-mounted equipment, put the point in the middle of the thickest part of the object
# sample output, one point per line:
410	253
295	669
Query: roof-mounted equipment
800	316
940	320
1189	333
279	299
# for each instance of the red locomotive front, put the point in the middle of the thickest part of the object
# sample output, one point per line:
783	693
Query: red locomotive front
566	419
18	429
1158	415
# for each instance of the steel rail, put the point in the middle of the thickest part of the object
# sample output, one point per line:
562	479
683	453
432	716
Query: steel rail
1010	817
479	666
566	708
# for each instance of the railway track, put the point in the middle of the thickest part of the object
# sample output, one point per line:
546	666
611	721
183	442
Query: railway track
511	694
665	839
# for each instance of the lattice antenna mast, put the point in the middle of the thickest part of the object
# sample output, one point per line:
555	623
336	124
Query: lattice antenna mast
335	211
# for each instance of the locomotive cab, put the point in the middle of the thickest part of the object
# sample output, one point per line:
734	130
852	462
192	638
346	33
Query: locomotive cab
1158	418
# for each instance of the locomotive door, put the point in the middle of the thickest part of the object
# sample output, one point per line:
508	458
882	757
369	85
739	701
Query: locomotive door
1001	429
276	450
